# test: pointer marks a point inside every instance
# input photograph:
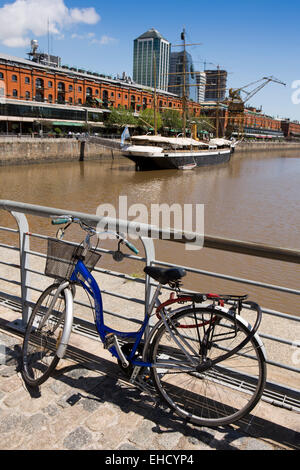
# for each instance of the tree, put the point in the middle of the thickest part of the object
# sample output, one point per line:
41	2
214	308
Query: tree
171	118
146	118
121	117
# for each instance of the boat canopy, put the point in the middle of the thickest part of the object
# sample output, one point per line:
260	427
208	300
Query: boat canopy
143	148
220	142
172	141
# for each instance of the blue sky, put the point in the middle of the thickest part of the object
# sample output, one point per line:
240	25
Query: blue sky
250	39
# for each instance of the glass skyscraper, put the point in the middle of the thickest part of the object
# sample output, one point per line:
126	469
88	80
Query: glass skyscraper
176	77
150	47
216	82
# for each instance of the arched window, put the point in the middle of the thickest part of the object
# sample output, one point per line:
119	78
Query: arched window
89	92
105	98
61	93
15	93
14	78
27	95
1	76
132	102
50	98
39	96
39	83
144	103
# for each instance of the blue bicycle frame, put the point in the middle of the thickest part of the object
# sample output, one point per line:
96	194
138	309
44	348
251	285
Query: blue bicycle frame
93	289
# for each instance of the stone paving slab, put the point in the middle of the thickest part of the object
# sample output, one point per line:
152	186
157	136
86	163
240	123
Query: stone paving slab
88	405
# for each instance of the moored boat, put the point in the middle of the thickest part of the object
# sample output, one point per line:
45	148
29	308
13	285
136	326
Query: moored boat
152	152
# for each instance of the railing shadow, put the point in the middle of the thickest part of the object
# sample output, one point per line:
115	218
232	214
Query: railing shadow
113	387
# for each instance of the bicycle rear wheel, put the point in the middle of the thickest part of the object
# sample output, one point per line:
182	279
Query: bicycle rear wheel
225	392
42	337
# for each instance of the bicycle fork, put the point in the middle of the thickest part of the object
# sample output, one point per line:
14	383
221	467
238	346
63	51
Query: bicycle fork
68	320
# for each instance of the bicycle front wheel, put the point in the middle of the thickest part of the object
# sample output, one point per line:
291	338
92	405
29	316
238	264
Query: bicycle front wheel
226	391
42	337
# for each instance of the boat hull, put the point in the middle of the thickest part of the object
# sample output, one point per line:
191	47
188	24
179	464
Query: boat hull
174	160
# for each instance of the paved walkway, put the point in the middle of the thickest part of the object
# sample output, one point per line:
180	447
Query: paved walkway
88	405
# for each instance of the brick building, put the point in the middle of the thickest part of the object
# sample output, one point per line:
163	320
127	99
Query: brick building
34	94
30	91
291	129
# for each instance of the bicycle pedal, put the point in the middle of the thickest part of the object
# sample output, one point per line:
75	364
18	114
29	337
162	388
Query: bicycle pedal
109	341
112	341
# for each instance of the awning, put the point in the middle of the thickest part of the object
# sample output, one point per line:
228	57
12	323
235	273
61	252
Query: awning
71	124
98	100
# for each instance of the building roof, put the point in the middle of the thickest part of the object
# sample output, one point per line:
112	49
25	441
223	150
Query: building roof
82	75
152	33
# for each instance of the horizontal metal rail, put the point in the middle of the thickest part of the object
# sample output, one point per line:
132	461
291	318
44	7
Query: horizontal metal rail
178	236
18	210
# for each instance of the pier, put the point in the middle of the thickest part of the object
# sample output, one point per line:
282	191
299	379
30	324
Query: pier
88	403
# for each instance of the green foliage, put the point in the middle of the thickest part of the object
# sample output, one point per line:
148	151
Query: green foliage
172	118
203	124
146	118
121	117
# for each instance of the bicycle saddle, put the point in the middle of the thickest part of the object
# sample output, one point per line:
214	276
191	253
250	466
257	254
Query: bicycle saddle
165	275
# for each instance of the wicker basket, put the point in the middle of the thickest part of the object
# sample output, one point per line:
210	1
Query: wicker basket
62	258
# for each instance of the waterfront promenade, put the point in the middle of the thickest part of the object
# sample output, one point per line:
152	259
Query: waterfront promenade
89	405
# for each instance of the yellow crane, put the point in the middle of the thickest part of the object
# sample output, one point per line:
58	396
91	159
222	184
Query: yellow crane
236	104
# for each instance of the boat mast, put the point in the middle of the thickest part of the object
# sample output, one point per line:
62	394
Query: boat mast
184	84
218	104
154	104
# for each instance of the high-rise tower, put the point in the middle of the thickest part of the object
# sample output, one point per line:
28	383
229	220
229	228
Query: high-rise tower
151	54
177	79
216	81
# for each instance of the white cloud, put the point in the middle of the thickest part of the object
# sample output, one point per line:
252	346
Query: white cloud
83	36
23	20
91	37
104	40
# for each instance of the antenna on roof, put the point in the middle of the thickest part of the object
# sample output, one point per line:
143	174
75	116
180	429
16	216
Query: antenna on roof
48	40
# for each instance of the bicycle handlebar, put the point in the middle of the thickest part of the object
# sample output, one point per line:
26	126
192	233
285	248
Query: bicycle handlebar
65	219
131	246
60	221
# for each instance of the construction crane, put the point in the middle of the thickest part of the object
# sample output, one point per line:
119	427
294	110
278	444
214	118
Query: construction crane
236	104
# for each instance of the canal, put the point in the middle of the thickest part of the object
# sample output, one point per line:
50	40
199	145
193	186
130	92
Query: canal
255	197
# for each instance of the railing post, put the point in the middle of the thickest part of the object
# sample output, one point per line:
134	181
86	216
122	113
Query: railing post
150	257
24	264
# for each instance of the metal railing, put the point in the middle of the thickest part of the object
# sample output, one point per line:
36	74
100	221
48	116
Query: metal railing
277	392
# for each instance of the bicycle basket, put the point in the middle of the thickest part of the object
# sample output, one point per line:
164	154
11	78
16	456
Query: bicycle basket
62	258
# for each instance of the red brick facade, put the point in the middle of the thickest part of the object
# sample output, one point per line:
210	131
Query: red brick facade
34	83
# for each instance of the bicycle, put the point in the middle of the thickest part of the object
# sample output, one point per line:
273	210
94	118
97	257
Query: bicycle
202	359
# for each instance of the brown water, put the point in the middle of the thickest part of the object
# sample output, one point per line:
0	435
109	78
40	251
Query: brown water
254	198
